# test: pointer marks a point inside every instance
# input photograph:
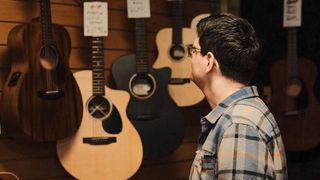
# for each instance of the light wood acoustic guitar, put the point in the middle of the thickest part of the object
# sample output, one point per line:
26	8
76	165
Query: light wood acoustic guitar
41	99
106	146
293	102
8	176
171	43
156	116
216	8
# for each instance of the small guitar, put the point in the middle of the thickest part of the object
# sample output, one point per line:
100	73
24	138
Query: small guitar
151	110
106	146
40	98
8	176
293	103
171	44
215	9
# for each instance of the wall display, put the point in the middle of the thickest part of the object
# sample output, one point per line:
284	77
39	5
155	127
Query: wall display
293	102
40	97
157	118
171	43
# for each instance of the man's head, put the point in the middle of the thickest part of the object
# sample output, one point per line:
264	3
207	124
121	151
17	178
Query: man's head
232	42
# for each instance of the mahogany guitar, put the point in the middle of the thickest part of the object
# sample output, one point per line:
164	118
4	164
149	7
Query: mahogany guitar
8	176
157	118
171	43
293	103
215	6
106	146
41	99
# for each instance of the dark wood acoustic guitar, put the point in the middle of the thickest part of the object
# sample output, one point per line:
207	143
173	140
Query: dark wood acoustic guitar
293	102
171	43
155	115
106	146
41	99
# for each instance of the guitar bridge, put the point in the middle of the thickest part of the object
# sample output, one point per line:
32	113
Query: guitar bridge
99	140
179	80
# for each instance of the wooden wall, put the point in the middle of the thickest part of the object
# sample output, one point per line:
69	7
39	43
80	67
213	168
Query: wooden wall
32	160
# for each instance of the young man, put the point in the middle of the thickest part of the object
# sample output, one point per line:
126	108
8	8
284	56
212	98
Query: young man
239	138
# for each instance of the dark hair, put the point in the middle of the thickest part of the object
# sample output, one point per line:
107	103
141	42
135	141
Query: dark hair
234	44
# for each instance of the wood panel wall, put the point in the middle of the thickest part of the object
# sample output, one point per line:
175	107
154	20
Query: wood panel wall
34	160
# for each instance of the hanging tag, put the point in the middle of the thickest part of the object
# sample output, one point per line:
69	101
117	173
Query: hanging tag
292	13
138	8
95	15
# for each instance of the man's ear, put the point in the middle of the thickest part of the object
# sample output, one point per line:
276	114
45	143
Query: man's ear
211	62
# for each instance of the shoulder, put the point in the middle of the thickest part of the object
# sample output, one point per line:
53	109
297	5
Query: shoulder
254	116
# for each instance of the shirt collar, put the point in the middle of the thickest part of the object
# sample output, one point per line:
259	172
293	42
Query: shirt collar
246	92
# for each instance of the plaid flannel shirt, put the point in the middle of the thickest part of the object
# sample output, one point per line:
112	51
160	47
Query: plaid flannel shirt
240	139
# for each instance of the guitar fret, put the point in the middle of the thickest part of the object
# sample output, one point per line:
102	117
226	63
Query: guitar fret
97	55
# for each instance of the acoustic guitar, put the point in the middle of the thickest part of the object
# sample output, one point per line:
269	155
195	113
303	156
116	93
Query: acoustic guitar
293	103
41	99
171	43
8	176
155	115
216	8
106	146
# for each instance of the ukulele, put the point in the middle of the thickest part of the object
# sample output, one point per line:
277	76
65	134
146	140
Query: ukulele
293	103
106	146
215	10
157	118
171	43
40	99
8	176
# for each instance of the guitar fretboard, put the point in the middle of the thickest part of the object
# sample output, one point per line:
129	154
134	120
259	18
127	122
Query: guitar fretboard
292	53
177	14
141	46
215	7
46	23
98	79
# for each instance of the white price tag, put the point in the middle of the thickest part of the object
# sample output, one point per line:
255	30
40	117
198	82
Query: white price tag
138	8
292	13
95	15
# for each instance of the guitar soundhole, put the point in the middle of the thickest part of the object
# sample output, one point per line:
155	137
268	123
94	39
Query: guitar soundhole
177	52
99	107
49	57
142	86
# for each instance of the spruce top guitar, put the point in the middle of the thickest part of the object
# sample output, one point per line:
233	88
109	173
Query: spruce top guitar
8	176
171	44
106	146
293	102
151	110
215	6
40	98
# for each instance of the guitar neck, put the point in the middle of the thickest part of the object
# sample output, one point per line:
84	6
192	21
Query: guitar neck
215	7
177	15
141	46
98	79
46	22
292	59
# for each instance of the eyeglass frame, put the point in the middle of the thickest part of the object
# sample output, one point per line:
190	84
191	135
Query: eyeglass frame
191	49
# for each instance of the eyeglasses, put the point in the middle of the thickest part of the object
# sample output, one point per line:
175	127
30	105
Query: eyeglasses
191	49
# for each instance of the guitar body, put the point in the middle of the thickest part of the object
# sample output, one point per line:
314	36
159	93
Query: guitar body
24	110
180	69
196	19
157	118
297	116
8	176
118	159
